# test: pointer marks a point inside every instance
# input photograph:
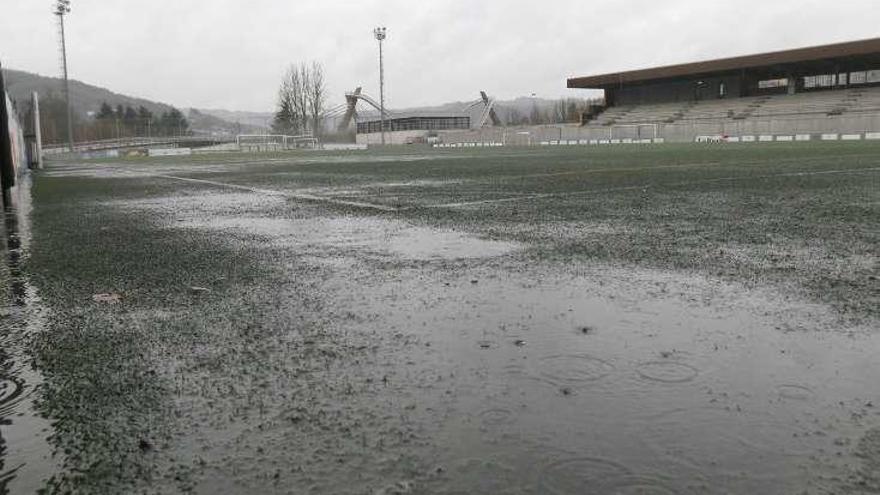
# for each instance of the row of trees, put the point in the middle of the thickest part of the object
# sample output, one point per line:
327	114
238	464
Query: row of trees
301	99
127	121
566	110
107	123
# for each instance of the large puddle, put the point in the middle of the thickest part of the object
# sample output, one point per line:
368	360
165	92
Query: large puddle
239	215
620	381
362	236
574	379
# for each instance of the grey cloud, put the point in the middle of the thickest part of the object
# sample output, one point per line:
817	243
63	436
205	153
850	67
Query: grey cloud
231	54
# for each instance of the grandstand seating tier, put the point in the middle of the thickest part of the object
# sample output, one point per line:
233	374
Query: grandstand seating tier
834	102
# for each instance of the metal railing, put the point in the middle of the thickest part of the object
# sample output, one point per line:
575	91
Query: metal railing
108	144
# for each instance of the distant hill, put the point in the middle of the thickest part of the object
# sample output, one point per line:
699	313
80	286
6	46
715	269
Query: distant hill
87	98
203	122
84	97
256	120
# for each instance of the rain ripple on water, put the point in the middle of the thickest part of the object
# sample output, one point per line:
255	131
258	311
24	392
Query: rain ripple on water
667	372
568	369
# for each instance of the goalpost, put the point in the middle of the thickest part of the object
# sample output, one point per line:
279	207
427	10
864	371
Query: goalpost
642	131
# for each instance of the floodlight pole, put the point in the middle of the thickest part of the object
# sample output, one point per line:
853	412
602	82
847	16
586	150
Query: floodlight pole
380	33
62	8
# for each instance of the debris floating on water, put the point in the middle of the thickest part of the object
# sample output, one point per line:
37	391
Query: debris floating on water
109	298
145	445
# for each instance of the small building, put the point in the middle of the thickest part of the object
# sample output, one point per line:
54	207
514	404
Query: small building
412	128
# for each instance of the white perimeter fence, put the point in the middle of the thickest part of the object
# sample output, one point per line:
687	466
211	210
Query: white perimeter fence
825	128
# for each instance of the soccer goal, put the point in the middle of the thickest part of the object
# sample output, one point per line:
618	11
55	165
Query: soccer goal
634	131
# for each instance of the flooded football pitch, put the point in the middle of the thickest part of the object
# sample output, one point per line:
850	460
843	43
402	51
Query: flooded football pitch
638	320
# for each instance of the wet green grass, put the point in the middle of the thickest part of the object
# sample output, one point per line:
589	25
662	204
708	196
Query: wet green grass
802	218
108	401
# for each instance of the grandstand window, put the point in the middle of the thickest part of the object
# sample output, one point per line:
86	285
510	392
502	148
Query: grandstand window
773	83
722	90
873	76
823	81
415	124
858	77
842	79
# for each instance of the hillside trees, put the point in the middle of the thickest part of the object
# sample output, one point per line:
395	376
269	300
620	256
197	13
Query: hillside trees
173	123
110	121
126	121
130	116
106	111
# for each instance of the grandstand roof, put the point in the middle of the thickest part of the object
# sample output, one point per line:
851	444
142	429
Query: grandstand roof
862	49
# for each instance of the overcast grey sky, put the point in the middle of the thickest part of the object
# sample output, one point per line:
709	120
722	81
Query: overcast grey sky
231	54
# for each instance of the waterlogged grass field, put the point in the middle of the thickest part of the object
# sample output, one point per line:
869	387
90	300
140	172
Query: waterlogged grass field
646	319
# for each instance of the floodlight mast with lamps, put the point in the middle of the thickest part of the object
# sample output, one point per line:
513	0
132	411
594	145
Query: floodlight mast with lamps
62	8
381	34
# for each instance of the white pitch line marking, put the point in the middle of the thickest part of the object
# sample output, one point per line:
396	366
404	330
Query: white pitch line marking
291	195
272	192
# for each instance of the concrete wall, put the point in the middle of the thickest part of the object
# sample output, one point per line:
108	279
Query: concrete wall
396	137
679	132
169	151
515	136
844	124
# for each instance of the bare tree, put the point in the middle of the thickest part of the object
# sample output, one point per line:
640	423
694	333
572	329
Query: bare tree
288	118
515	117
535	116
317	95
301	99
283	123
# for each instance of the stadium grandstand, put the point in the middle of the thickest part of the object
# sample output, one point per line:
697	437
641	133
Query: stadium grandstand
410	128
822	92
